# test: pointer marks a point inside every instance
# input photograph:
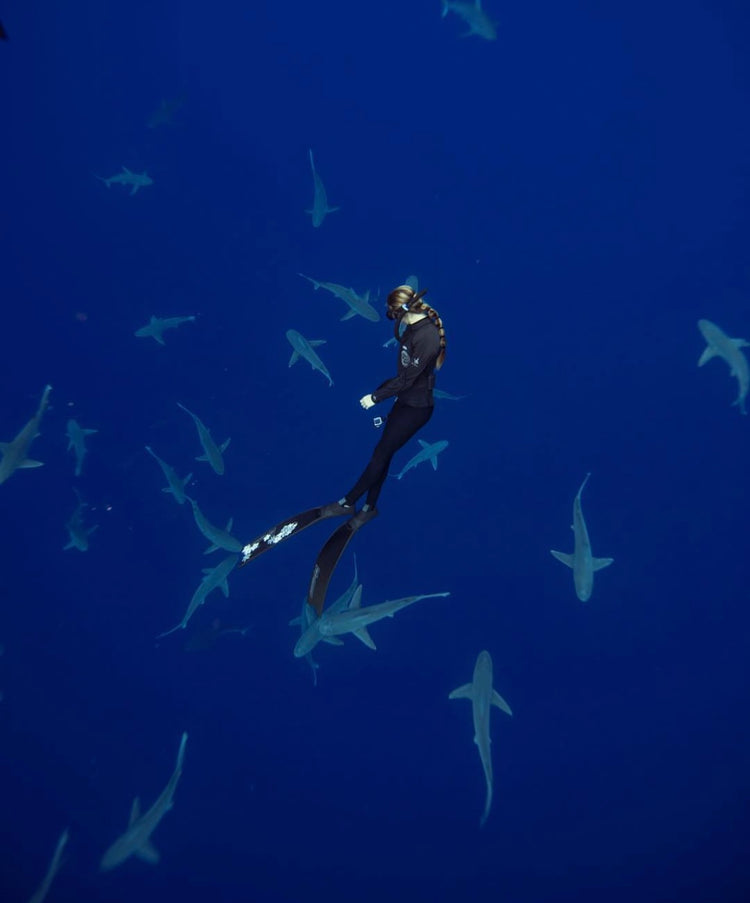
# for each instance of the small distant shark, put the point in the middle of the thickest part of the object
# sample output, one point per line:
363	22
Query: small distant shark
212	453
78	533
213	578
718	344
77	442
219	539
14	453
136	841
157	326
582	562
474	16
356	619
304	348
136	180
53	869
320	208
308	623
439	393
359	305
429	452
176	486
207	637
482	697
164	114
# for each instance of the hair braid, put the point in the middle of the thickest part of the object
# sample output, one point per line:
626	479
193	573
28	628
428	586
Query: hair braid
405	297
422	308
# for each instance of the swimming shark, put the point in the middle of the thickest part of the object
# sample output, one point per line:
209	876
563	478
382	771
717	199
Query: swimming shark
718	344
359	305
176	486
429	452
439	393
211	452
482	697
77	442
77	531
304	348
53	869
213	578
136	180
14	453
582	562
136	841
219	539
474	16
157	326
320	208
308	623
356	619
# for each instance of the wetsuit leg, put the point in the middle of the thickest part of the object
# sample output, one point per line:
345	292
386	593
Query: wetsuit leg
403	422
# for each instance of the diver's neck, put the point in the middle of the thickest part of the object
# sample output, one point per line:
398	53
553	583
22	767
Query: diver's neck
410	319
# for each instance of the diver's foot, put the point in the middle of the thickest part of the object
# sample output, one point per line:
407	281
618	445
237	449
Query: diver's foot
337	509
365	514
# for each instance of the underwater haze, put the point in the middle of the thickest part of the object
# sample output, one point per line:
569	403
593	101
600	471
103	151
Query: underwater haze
570	181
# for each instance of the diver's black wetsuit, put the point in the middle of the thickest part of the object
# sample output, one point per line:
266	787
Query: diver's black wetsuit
418	351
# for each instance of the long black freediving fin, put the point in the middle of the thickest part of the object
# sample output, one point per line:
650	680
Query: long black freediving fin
329	556
288	528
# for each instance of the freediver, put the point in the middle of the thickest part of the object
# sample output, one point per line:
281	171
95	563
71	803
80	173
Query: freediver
421	352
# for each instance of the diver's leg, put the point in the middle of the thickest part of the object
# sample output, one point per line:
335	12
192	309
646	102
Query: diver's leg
408	428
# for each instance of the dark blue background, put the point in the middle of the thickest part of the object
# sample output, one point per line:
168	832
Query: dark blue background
575	197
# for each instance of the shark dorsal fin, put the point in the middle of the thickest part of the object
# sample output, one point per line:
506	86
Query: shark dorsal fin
356	598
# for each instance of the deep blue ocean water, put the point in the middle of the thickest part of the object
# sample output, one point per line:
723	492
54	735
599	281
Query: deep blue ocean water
575	197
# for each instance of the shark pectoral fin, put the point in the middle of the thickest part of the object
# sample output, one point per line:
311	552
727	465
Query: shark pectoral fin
708	353
228	527
186	481
561	556
201	458
599	564
349	314
740	343
158	338
423	443
89	432
225	588
498	700
315	342
356	600
364	637
296	622
135	812
293	359
148	853
29	462
212	548
333	641
332	209
464	692
134	189
433	459
225	444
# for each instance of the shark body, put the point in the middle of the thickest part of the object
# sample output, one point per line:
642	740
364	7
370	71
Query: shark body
718	344
76	435
482	697
212	453
309	621
136	180
77	531
175	486
429	452
219	539
157	326
359	305
320	208
582	562
475	17
213	578
305	348
15	453
136	841
356	620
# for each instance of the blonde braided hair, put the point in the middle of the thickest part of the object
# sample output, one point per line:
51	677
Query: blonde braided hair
405	296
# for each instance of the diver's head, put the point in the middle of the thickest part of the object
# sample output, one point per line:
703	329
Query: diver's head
401	301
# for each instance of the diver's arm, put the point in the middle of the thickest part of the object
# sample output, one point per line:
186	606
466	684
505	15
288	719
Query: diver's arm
424	350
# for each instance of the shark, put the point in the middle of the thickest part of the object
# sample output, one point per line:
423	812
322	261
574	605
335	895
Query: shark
320	208
718	344
582	562
212	453
77	442
219	539
136	841
52	870
213	578
308	623
359	305
14	454
157	326
304	348
176	486
77	531
136	180
482	697
429	452
356	619
164	114
474	16
446	396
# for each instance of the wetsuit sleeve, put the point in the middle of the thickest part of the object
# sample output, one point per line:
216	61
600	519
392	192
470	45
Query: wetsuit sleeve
424	351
